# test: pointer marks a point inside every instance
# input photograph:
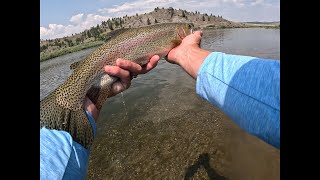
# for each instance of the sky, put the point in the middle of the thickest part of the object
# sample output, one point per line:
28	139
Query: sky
59	18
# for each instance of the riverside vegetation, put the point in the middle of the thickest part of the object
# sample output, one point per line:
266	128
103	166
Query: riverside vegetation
96	35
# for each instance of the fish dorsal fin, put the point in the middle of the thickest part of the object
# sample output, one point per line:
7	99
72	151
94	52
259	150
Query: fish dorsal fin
75	65
115	33
108	36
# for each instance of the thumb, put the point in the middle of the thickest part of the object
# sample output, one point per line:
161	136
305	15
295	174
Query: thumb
198	33
197	37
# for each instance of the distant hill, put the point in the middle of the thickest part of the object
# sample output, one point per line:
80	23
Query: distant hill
96	35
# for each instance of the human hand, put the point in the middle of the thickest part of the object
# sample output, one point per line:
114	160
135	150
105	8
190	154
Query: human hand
180	53
188	54
125	70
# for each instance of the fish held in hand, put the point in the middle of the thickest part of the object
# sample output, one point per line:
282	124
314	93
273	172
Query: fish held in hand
63	109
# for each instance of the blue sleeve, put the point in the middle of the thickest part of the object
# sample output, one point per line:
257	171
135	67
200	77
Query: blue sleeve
61	157
246	89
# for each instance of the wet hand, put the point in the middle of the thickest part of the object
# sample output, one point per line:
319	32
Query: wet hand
180	53
125	70
188	54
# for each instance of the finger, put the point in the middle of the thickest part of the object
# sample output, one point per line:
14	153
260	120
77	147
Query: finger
195	38
155	59
124	75
151	64
129	65
197	33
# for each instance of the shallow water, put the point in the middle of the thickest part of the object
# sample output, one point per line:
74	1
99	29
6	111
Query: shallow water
160	129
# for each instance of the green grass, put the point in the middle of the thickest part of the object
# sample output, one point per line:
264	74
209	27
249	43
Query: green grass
60	52
262	25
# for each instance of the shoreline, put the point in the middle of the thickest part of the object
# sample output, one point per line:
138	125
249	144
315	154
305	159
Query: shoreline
61	52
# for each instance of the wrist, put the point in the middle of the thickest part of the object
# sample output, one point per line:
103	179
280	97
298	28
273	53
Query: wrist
192	60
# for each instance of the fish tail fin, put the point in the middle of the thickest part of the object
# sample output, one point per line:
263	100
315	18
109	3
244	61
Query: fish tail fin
75	122
80	128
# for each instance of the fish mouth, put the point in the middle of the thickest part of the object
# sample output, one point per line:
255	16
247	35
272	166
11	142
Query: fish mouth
185	30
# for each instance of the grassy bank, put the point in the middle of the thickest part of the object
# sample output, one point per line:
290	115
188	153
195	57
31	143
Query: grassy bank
276	26
60	52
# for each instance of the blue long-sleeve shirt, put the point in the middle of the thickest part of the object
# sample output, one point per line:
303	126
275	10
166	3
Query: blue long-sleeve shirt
246	88
61	157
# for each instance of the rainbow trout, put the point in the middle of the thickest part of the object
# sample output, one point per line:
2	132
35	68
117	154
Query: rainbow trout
63	109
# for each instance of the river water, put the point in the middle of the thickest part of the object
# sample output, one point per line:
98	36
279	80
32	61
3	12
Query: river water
160	129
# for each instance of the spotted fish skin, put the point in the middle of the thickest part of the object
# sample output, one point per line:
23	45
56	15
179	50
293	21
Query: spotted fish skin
63	108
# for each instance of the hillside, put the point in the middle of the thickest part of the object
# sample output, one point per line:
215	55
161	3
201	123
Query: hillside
95	35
